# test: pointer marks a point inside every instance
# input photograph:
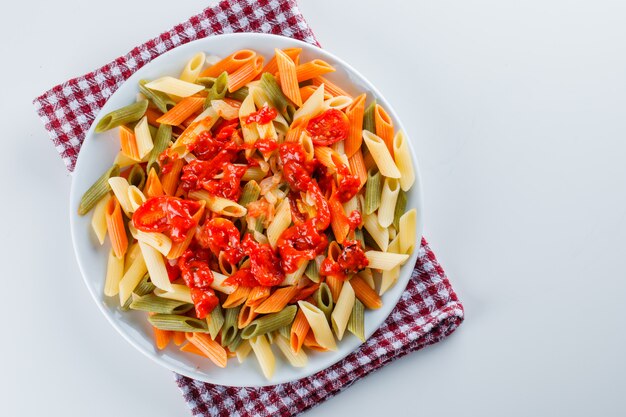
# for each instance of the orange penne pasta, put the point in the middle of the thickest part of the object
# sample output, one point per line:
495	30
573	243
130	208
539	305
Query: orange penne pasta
257	295
311	343
357	166
209	347
313	69
272	65
327	156
299	329
368	161
354	112
295	131
384	127
153	115
162	338
304	293
179	247
329	87
169	180
181	111
153	187
338	219
306	91
334	284
178	338
244	74
246	315
191	348
277	301
129	143
115	227
237	297
288	78
365	293
229	64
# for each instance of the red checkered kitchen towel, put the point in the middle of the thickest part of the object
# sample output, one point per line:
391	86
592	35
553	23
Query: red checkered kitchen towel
428	310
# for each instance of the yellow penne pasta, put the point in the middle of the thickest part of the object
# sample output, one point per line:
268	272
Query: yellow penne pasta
135	197
381	155
158	241
298	360
341	313
391	189
174	87
312	107
281	221
98	219
385	260
115	272
408	231
156	266
178	292
402	156
131	278
119	185
219	205
264	355
379	234
192	69
143	138
319	325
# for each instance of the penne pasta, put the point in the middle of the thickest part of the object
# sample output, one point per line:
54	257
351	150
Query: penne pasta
244	74
298	331
277	301
209	347
319	325
115	227
298	360
408	231
115	272
178	292
312	69
219	205
377	232
388	200
385	260
131	278
119	186
365	294
143	138
128	143
282	220
381	155
230	63
192	69
98	219
119	117
185	108
264	355
174	87
341	313
156	267
354	112
402	156
97	191
288	77
384	127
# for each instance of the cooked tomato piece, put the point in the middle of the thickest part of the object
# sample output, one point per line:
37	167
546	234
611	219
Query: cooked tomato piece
322	218
264	263
229	185
204	300
328	128
166	214
296	170
298	243
263	116
221	235
194	268
351	260
243	278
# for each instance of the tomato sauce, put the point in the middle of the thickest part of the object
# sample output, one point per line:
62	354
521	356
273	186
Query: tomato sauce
296	170
166	214
243	277
299	243
328	128
351	260
265	265
263	116
221	235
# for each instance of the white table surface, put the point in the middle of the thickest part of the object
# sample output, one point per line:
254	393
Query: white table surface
517	110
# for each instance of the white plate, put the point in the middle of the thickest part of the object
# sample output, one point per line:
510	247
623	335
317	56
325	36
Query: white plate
97	154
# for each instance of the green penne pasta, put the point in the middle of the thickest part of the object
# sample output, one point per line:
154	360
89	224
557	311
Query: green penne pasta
240	94
161	142
258	224
229	329
324	300
399	210
126	114
276	97
144	287
137	176
312	271
154	304
270	322
356	323
177	323
234	345
97	191
270	337
215	321
369	122
206	81
218	89
285	332
358	235
373	190
153	130
249	193
159	99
